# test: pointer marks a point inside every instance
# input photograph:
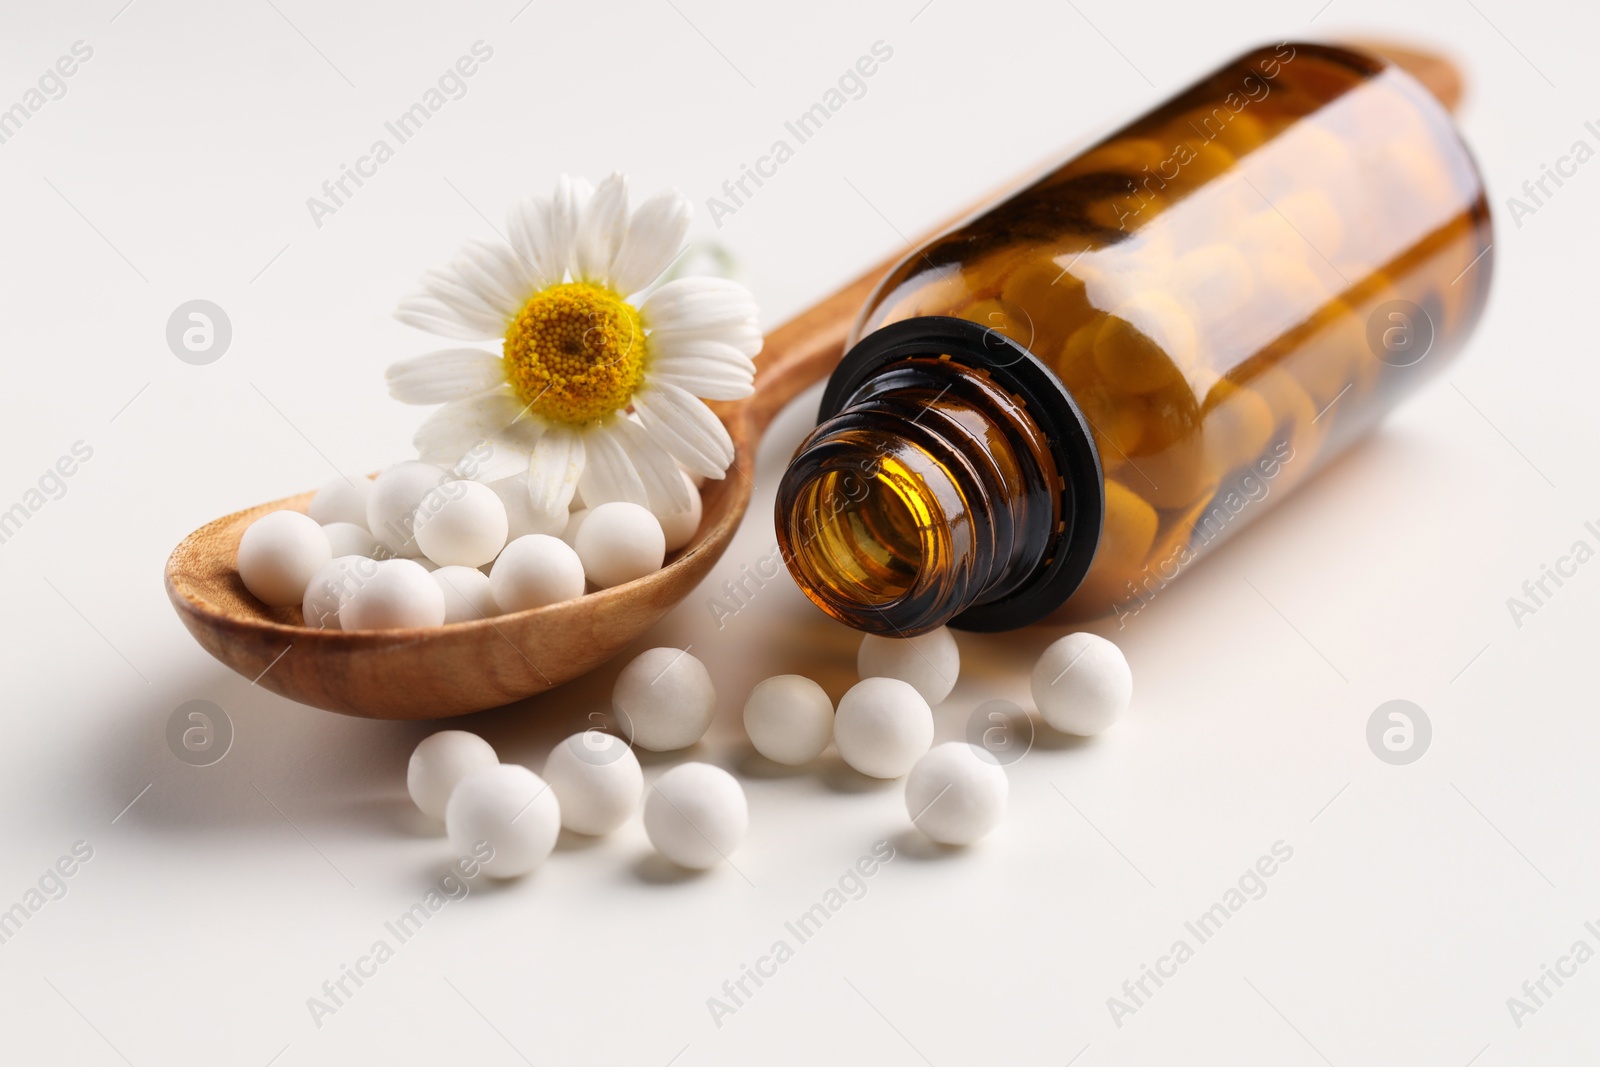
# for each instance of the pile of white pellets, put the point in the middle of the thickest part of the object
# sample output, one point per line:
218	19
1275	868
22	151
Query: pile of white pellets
695	814
418	546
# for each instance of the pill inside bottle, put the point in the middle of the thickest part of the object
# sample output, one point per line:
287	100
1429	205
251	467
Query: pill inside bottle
1055	408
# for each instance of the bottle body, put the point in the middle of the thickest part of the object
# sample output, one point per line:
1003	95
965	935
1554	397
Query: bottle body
1226	292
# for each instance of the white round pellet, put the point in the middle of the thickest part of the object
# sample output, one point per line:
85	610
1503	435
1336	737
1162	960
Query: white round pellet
349	539
534	571
521	518
883	725
569	532
597	778
789	719
399	595
956	793
461	524
619	542
331	586
696	815
341	500
678	527
279	553
392	504
440	762
510	808
931	662
664	699
467	594
1081	684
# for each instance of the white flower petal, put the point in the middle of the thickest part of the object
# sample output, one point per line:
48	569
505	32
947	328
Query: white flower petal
698	302
553	472
529	224
674	347
490	461
460	294
567	206
499	276
600	231
744	336
709	369
608	473
426	313
663	484
545	229
440	377
655	234
685	427
496	417
707	379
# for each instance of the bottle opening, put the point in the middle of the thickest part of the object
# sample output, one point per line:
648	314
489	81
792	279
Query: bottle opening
941	485
868	546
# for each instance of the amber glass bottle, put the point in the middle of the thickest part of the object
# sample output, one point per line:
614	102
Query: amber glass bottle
1057	406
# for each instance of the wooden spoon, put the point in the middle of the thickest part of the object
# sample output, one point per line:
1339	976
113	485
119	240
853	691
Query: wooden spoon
464	667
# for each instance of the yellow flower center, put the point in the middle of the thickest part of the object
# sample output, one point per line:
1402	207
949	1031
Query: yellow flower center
575	352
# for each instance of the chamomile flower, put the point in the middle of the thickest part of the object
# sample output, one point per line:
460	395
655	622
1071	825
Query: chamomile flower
597	380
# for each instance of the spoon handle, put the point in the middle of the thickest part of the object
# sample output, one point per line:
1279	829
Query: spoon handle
805	349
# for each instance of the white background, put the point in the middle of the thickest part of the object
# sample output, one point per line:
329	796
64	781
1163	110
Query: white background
177	167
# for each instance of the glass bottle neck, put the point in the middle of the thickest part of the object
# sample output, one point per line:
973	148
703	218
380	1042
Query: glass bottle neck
932	490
